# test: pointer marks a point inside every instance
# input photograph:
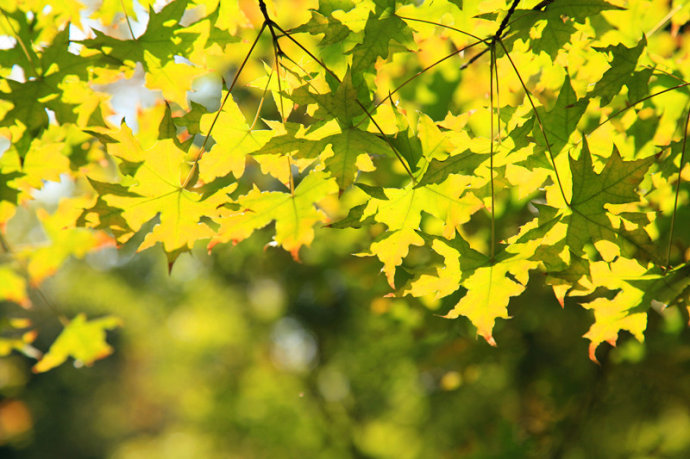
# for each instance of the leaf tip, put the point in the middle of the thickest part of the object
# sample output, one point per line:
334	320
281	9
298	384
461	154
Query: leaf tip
592	353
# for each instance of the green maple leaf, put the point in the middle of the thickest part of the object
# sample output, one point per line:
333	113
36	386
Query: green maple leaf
379	32
340	104
409	146
7	193
158	39
638	85
292	143
560	122
464	163
103	216
347	146
332	29
558	17
616	184
622	68
22	54
81	339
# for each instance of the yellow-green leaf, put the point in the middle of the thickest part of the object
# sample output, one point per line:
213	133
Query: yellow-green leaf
82	340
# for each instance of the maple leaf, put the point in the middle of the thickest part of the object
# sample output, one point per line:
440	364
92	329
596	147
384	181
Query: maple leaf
616	184
489	290
332	29
81	339
622	67
381	29
402	213
158	190
158	39
347	148
64	240
557	20
295	214
616	314
234	140
560	122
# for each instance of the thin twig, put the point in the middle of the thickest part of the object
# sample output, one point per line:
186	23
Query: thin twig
129	24
491	149
680	179
444	26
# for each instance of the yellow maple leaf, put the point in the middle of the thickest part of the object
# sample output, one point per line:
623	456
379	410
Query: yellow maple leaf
159	191
488	294
81	339
234	141
295	214
613	315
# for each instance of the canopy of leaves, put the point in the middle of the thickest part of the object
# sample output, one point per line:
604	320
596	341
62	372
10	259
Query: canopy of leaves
322	121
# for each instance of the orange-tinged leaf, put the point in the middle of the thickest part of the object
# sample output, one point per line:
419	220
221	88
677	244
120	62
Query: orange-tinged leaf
81	339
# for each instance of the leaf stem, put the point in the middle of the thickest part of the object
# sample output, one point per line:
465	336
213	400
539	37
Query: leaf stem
291	179
129	24
21	43
491	149
444	26
261	101
429	67
680	179
622	110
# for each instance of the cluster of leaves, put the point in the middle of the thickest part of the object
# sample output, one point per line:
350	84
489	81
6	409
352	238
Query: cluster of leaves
559	148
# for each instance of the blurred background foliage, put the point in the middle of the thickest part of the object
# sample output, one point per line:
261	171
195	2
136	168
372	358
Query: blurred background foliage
246	353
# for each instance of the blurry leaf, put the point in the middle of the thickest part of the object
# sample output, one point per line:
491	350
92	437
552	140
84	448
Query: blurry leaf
13	287
80	339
